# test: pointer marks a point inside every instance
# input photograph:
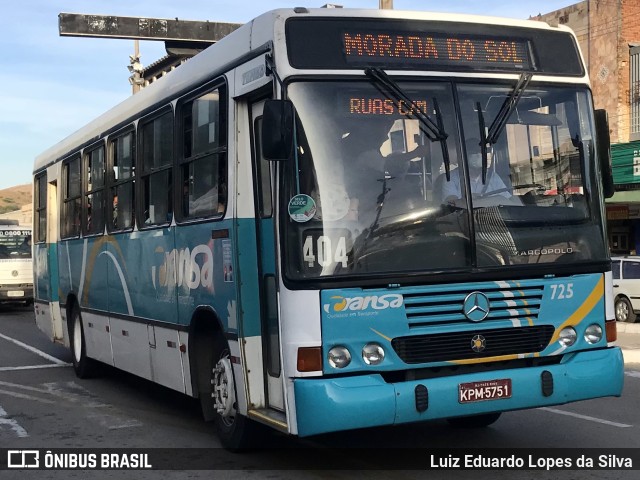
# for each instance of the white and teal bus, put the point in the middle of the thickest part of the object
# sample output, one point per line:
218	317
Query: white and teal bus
335	219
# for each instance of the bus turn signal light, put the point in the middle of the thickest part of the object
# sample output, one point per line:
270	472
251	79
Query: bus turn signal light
309	359
612	332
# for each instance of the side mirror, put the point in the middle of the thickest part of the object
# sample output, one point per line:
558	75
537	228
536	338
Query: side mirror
277	130
604	152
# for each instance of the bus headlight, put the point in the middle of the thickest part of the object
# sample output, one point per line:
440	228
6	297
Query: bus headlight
339	357
593	333
568	337
372	354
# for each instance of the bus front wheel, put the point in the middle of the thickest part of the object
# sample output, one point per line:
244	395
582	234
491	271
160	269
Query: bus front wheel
474	421
232	428
82	365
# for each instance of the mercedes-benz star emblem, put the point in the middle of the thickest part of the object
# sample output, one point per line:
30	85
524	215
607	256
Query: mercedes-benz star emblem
476	306
478	343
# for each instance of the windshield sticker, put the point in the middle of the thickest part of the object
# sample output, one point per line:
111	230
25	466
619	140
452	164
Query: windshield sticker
302	208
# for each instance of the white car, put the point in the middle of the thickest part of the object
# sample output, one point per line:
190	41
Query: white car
626	287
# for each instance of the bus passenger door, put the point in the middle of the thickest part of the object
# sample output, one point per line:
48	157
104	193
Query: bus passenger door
263	187
52	260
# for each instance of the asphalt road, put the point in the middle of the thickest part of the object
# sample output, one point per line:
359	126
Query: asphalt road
43	405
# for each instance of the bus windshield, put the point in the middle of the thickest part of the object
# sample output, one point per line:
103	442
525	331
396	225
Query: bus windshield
15	244
371	189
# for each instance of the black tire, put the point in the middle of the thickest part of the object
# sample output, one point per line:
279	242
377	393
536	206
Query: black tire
82	365
474	421
218	400
624	310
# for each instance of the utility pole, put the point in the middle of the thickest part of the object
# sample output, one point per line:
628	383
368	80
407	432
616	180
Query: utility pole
386	5
135	67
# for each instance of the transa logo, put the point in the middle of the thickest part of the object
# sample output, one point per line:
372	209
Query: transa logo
353	306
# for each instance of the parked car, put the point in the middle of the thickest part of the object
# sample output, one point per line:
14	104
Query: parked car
626	287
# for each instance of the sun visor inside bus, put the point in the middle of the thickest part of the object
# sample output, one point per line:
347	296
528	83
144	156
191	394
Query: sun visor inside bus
356	43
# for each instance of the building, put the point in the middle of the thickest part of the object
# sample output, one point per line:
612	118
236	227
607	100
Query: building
24	215
609	35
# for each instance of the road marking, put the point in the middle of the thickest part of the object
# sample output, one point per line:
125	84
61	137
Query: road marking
34	350
103	413
632	373
113	422
15	426
33	367
24	396
586	417
54	390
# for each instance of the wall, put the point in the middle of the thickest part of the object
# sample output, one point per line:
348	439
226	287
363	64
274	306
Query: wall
605	28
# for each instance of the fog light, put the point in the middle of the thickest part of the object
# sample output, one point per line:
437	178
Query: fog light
372	354
339	357
593	333
568	336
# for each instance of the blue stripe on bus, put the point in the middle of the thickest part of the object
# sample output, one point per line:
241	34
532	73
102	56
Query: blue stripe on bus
143	274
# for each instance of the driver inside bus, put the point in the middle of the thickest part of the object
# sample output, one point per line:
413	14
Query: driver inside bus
370	169
450	191
365	140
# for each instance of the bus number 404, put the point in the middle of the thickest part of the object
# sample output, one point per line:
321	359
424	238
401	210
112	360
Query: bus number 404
324	254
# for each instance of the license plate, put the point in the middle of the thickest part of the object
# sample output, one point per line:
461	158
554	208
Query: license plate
15	293
481	391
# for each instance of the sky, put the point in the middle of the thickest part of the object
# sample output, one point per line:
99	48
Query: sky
52	85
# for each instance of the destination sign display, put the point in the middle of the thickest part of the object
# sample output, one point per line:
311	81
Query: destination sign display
364	105
389	47
409	44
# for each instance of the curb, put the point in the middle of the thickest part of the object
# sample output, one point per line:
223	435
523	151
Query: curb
631	355
628	327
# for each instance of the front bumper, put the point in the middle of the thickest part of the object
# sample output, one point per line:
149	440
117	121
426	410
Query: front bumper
16	293
329	405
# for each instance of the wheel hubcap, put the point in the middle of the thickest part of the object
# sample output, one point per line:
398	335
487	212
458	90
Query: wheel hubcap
77	339
621	311
223	393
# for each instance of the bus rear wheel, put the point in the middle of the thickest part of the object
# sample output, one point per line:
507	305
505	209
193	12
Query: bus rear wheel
474	421
233	429
82	365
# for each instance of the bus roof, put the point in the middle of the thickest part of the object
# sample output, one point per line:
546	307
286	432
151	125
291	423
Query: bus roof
252	36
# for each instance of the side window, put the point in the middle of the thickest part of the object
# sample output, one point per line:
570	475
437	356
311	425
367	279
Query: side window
121	181
203	163
630	270
40	208
156	177
72	198
615	269
94	193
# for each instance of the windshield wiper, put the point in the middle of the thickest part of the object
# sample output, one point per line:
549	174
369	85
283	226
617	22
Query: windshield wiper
499	122
507	108
434	131
483	142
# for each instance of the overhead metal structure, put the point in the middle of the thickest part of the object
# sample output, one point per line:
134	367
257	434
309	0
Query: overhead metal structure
182	38
138	28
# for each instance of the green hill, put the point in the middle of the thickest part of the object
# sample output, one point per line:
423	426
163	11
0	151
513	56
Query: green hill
13	198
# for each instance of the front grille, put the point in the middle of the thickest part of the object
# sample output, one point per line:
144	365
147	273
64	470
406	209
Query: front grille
515	301
442	347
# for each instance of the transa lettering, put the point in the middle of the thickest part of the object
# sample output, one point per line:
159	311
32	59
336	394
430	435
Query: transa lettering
385	106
